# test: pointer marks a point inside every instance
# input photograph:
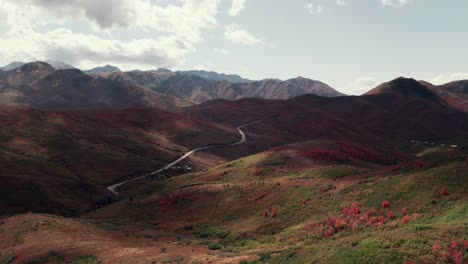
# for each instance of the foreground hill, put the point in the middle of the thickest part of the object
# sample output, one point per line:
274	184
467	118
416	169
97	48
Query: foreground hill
310	202
39	85
60	162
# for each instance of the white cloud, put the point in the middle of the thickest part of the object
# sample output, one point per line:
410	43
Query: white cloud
222	51
177	26
237	35
361	85
394	3
446	78
236	7
341	3
314	9
86	51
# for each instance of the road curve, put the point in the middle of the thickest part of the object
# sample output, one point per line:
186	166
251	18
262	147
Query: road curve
112	188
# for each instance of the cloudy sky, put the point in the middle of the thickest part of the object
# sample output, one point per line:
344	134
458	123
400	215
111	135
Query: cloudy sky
350	44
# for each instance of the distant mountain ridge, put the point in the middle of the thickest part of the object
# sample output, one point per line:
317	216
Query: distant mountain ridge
198	89
39	85
104	69
12	66
214	76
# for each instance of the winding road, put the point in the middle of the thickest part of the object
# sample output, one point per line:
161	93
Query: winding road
242	140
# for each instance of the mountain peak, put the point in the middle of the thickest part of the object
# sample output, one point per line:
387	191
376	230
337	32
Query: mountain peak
163	70
103	69
59	65
37	65
404	87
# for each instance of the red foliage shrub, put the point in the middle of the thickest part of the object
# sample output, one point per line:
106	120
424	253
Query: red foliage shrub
279	239
326	155
385	204
412	165
404	219
454	253
163	202
257	172
361	153
174	198
403	211
443	191
416	216
293	240
436	247
273	212
390	215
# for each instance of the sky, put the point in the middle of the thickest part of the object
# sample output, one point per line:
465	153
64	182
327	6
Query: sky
352	45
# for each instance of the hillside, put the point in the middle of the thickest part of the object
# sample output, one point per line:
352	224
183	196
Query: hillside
460	87
60	162
39	85
310	202
379	118
457	100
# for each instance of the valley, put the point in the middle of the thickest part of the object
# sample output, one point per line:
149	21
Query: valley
107	168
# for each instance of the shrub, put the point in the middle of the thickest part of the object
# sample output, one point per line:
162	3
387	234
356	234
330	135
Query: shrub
454	253
443	191
326	155
214	246
390	215
403	211
257	172
273	212
404	219
416	216
385	204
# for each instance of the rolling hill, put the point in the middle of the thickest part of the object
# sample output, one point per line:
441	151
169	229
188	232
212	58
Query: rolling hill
60	162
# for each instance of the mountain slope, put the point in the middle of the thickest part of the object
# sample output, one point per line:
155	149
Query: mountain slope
458	100
314	202
60	162
460	87
150	79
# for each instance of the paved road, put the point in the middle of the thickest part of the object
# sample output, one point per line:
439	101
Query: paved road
242	140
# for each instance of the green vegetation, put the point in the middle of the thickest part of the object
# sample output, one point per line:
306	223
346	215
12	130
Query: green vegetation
54	257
